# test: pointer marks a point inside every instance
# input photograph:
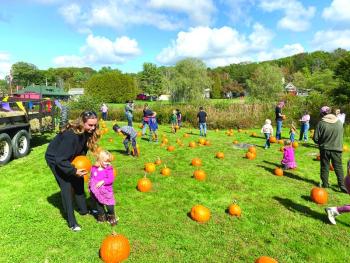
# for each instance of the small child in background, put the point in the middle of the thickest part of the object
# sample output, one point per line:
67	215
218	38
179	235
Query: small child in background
153	127
131	135
101	188
173	121
267	130
292	132
334	211
179	118
288	161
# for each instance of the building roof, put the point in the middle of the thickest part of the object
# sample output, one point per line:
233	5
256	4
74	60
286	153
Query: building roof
44	90
76	91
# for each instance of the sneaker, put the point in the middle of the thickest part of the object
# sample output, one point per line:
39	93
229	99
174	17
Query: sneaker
101	218
112	219
76	228
332	212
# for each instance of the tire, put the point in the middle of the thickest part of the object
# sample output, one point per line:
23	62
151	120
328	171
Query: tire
5	149
20	144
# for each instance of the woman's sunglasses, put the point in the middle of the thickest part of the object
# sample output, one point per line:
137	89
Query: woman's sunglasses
87	114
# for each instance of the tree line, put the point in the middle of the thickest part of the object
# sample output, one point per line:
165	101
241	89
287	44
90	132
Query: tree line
324	73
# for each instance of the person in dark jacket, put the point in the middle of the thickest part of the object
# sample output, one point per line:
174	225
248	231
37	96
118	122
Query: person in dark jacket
329	137
75	139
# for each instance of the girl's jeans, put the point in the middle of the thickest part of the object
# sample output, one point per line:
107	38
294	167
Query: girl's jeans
278	130
267	143
202	129
292	137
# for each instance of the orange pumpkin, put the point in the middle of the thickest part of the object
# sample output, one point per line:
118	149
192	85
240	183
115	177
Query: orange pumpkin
220	155
150	167
115	248
250	156
273	139
235	142
295	145
234	210
201	141
170	148
158	161
165	141
319	195
196	162
199	175
82	162
207	143
192	144
186	135
278	171
284	117
280	142
165	171
265	259
177	127
254	134
110	140
252	149
200	213
144	184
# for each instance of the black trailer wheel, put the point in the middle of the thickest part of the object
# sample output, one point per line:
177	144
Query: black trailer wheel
5	148
20	144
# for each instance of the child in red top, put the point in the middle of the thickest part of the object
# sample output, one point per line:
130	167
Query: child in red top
288	161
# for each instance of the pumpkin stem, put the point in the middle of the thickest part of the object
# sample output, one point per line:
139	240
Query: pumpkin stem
145	176
234	201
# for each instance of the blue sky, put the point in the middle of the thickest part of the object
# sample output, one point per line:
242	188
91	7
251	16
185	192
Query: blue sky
124	34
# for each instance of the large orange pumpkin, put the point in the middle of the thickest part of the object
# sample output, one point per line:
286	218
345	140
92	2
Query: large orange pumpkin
82	162
250	156
165	171
278	171
319	195
220	155
207	143
144	184
199	175
170	148
265	259
196	162
115	248
150	167
234	210
158	161
200	213
295	145
252	149
201	141
273	139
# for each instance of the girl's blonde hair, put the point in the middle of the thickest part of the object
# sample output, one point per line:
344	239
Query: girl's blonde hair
287	142
267	121
104	156
77	126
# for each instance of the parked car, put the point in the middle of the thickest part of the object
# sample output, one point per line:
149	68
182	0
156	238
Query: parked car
146	97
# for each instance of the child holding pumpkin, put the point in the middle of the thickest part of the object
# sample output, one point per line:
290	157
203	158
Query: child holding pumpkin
131	135
288	161
267	130
101	188
335	211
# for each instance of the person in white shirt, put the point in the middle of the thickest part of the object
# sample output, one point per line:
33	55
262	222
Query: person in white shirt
267	130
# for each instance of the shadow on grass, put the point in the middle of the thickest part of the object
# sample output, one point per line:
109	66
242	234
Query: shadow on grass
309	145
38	140
302	209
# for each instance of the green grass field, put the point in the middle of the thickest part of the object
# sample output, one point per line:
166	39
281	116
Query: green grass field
278	217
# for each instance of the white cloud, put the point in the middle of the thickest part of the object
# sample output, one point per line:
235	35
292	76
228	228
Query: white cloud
331	39
285	51
169	15
238	10
223	46
338	11
5	64
296	16
101	51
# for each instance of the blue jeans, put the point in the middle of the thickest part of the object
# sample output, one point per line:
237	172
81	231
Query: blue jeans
104	116
202	129
292	137
129	118
267	143
278	130
303	131
144	127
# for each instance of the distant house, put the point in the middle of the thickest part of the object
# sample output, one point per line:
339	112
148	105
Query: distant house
206	94
291	89
74	93
41	91
164	97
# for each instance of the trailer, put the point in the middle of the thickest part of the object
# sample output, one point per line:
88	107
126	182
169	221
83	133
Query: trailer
19	120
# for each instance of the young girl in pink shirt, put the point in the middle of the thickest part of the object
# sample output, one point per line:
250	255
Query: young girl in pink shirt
288	161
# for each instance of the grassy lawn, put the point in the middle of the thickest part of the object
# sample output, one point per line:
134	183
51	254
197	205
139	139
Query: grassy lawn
278	218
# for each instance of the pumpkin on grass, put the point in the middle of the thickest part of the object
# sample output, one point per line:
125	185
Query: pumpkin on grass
165	141
295	145
196	162
144	184
207	143
273	139
200	213
201	141
165	171
150	167
115	248
192	144
319	195
234	209
278	171
252	149
265	259
158	161
250	156
170	148
199	175
220	155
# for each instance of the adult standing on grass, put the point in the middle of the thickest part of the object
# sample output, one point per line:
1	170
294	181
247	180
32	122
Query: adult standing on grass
279	119
129	110
329	137
147	113
305	125
104	110
202	120
75	139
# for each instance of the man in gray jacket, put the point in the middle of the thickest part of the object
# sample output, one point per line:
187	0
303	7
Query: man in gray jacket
329	137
